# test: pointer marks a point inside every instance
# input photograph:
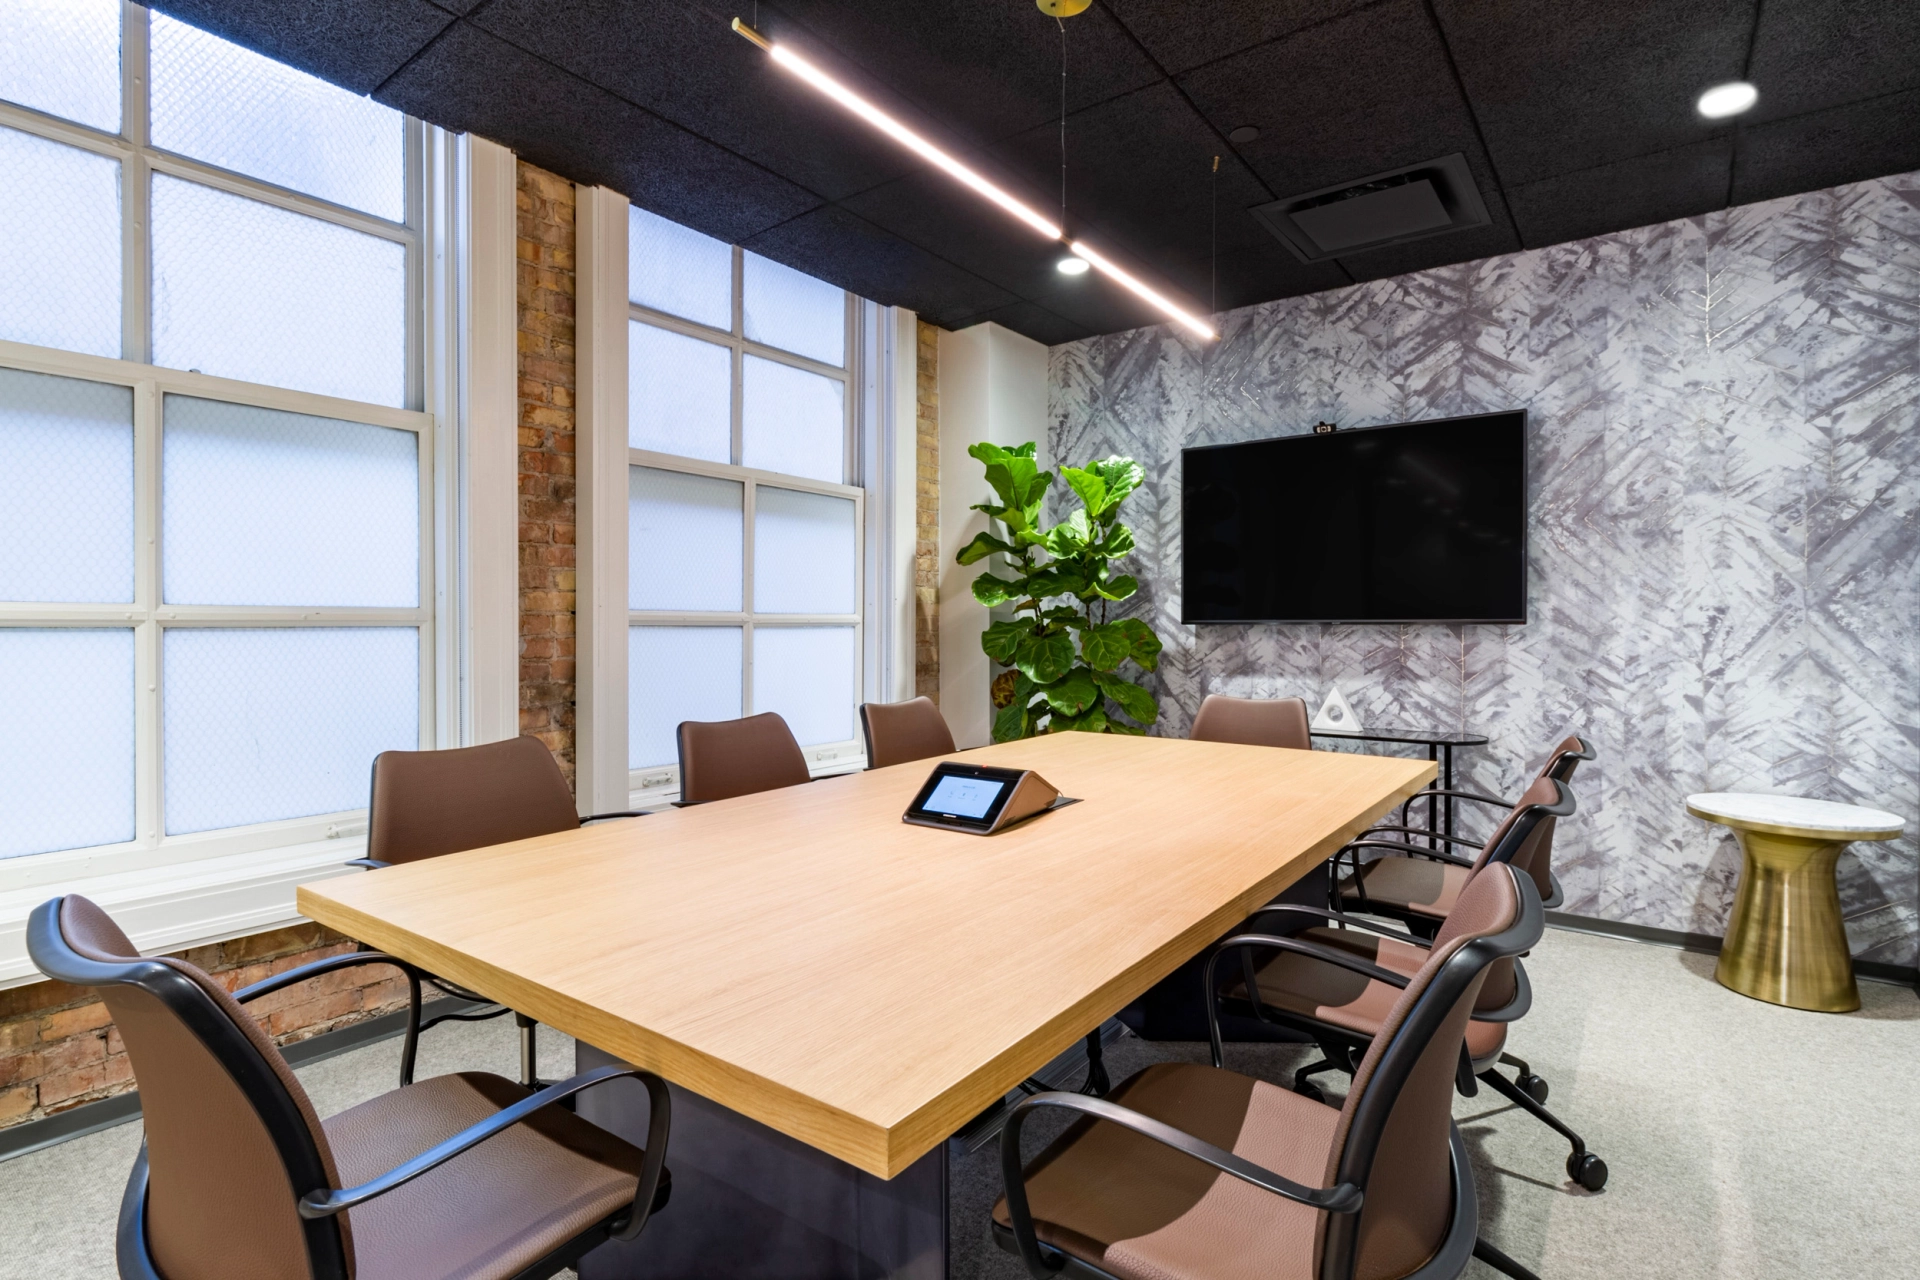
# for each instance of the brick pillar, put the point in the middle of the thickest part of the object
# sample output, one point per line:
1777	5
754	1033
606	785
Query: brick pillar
545	297
926	548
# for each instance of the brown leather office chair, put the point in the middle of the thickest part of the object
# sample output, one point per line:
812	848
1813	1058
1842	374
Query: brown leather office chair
240	1179
423	804
1253	722
721	759
1565	757
1334	976
897	732
1379	1188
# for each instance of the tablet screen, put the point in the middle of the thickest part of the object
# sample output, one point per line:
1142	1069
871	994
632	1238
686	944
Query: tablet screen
963	797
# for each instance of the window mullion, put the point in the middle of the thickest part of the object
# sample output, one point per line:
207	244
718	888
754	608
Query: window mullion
748	501
135	253
146	594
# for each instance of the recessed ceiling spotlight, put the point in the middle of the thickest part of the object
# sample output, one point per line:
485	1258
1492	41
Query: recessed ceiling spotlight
1245	133
1072	265
1725	100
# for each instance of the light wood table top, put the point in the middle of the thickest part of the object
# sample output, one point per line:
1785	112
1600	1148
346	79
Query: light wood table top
807	959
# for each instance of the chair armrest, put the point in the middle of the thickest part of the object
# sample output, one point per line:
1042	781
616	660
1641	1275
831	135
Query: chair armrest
1516	1008
1463	795
326	964
1408	850
1342	1198
371	864
602	817
1245	942
1337	917
323	1204
1425	834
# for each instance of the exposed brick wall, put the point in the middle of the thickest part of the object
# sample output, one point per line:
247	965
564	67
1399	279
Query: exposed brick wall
926	549
545	296
58	1048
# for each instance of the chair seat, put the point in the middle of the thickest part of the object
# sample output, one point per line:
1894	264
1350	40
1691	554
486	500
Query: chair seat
1143	1211
1314	989
1413	884
490	1211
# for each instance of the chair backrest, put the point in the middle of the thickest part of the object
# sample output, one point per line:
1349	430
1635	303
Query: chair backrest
720	759
1565	758
232	1141
1253	722
897	732
427	803
1393	1136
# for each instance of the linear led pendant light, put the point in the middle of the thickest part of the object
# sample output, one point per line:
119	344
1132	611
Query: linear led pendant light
828	87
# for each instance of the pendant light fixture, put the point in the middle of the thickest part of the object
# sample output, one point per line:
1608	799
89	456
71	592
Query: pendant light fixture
856	105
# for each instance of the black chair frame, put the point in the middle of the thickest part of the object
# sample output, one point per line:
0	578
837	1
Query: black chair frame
1344	1199
316	1200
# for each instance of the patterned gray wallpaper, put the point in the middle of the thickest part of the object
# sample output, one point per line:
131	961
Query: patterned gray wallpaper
1725	443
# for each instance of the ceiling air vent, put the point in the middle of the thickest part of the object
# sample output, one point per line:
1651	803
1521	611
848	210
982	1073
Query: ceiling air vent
1388	208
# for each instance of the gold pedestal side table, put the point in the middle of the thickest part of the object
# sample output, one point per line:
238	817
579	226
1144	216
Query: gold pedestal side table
1785	943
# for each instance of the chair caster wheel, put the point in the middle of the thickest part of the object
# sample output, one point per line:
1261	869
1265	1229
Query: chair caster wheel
1587	1169
1311	1091
1534	1087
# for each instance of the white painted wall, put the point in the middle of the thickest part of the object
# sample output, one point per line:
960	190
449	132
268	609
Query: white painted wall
993	387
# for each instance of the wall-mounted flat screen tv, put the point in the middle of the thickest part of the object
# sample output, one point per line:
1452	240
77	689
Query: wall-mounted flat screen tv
1417	522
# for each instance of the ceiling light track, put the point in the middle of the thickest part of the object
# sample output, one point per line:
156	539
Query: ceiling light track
853	103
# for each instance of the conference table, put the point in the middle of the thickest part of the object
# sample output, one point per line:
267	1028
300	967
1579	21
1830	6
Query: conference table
833	993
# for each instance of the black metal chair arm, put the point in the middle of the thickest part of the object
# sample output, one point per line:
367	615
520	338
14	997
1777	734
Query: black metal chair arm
602	817
1516	1008
1425	834
1244	944
1341	918
371	864
1478	796
1410	850
327	964
322	1204
1343	1198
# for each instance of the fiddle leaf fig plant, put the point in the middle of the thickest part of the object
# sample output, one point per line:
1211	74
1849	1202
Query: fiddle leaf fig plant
1062	651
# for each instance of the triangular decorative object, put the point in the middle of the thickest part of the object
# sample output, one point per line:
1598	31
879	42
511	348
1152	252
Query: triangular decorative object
1336	714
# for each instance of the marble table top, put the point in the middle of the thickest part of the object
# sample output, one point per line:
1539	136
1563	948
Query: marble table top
1751	809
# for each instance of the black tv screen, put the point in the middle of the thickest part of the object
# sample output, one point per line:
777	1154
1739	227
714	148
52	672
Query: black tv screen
1419	522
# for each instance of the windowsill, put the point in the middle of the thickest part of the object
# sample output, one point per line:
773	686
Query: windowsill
652	789
183	904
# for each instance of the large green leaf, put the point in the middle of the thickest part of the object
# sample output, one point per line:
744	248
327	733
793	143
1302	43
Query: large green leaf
1117	543
1070	536
1091	487
990	591
1092	720
1106	646
1117	588
982	546
1044	659
1016	719
1072	693
1002	640
1121	477
1146	645
1130	697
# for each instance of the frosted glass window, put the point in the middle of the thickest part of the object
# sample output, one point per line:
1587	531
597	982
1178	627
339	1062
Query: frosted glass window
66	489
684	538
679	394
806	674
677	270
263	507
792	421
236	109
263	724
66	739
675	674
803	552
63	57
60	223
791	310
246	290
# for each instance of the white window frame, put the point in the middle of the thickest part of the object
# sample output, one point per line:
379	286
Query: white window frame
176	891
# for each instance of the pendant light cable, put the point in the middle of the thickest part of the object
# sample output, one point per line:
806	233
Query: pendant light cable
1063	120
1216	235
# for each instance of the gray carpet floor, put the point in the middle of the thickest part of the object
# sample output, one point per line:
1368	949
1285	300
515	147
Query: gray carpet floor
1746	1141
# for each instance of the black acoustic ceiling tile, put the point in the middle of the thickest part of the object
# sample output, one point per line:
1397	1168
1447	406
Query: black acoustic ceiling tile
1810	54
1467	245
854	254
1677	183
685	64
1029	319
1825	148
1257	273
988	68
1363	94
1570	86
474	82
935	212
1157	198
355	44
1181	35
